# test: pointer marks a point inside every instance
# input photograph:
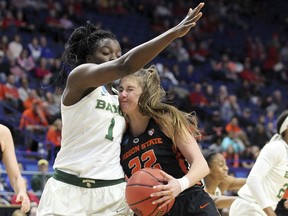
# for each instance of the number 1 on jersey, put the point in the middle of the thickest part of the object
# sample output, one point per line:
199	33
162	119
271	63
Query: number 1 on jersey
109	135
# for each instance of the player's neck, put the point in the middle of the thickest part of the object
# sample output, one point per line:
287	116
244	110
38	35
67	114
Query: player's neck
211	184
138	124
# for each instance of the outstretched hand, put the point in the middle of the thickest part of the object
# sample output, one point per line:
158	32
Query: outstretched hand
166	192
189	21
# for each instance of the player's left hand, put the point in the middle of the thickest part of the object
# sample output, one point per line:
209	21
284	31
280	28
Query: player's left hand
166	192
25	202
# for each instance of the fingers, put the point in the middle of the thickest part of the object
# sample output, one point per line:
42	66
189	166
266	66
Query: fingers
192	12
165	198
199	7
25	202
194	15
165	203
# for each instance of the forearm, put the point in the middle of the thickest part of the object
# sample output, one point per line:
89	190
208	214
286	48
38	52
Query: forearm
139	56
197	172
18	185
269	211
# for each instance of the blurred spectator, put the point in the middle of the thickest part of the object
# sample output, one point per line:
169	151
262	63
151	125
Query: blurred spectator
214	129
54	25
15	47
259	136
65	22
53	136
231	157
223	94
270	117
230	108
58	76
183	55
42	71
26	61
165	74
225	69
10	93
199	53
249	156
34	123
215	146
246	121
4	43
32	97
233	125
38	181
21	23
23	89
16	70
197	97
51	107
189	76
211	96
232	148
198	101
276	104
35	49
46	51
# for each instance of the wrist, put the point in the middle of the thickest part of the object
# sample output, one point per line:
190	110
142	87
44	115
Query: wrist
184	183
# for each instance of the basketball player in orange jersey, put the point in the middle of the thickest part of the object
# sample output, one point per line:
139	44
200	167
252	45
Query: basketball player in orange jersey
88	177
268	178
161	136
282	207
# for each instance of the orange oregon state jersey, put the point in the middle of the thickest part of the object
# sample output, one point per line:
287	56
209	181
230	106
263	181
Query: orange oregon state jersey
285	196
151	149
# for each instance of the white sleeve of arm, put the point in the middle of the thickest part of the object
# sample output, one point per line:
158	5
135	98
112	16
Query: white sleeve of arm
264	163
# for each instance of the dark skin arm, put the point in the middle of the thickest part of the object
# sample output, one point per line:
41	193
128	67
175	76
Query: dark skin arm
90	75
231	183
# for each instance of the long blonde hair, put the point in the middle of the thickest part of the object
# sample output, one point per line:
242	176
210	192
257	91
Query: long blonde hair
152	102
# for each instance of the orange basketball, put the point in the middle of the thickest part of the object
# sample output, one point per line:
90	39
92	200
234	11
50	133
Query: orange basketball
138	190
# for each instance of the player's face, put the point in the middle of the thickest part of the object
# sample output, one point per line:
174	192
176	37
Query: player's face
129	93
107	50
219	168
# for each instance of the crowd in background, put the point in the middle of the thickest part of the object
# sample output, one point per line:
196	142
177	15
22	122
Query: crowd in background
231	70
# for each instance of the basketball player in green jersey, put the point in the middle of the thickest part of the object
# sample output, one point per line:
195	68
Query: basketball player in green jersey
268	178
88	178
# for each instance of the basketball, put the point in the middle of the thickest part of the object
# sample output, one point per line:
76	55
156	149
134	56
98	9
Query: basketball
138	190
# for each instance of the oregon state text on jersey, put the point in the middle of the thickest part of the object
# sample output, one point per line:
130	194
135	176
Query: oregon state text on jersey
151	149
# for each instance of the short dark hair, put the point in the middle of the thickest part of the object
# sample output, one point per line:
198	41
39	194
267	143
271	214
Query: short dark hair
280	120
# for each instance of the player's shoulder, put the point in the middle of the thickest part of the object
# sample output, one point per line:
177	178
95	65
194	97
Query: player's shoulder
276	146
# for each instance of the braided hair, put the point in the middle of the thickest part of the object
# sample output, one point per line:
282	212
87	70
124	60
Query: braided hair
82	42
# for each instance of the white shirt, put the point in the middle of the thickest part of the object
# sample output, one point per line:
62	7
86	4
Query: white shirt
91	135
268	178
